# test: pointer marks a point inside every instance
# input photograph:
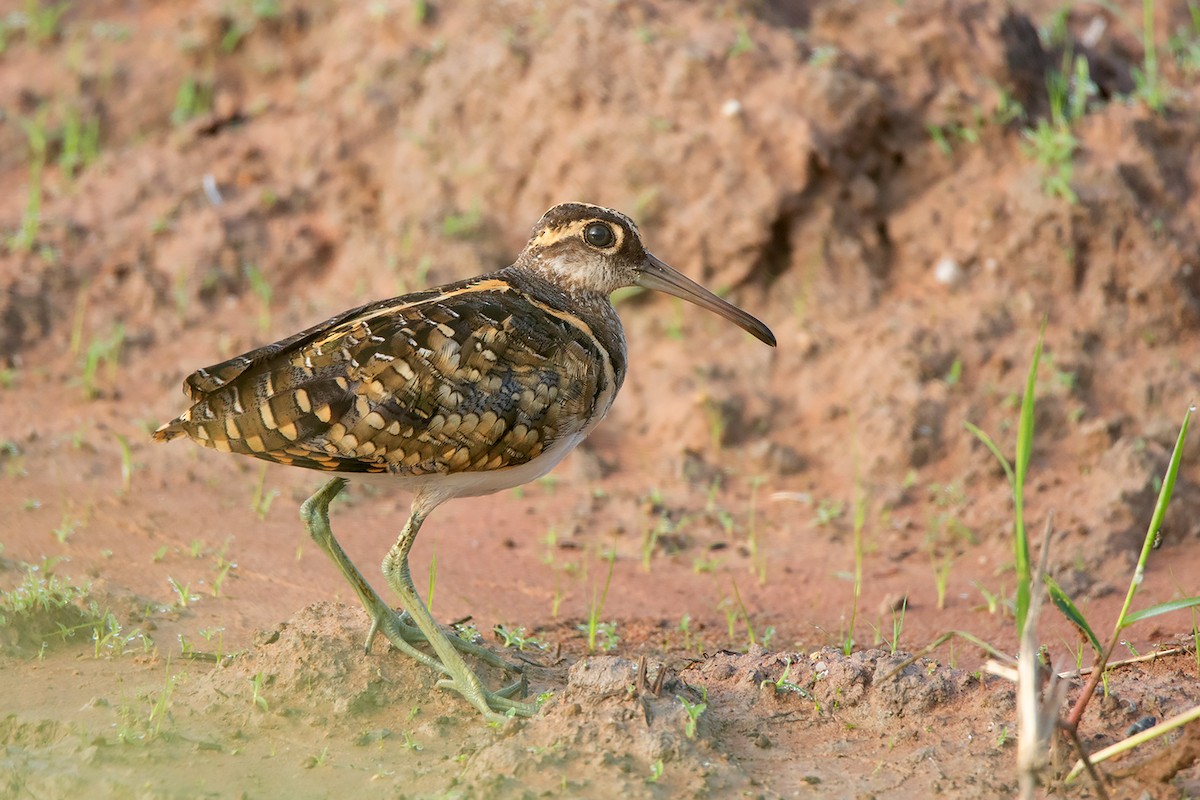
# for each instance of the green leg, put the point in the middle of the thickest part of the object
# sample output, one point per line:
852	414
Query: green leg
315	514
493	705
402	635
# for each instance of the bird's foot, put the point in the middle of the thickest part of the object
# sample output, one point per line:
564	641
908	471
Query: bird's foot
497	707
398	625
484	654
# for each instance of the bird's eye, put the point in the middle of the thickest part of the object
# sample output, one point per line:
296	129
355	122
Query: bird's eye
599	235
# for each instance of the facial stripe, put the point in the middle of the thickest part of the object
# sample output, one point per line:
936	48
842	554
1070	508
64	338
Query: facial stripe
550	236
553	235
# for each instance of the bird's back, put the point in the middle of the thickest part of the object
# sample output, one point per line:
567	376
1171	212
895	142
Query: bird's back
473	376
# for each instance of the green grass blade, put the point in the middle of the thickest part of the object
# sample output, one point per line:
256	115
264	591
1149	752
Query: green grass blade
1161	608
1072	612
990	445
1160	510
1020	468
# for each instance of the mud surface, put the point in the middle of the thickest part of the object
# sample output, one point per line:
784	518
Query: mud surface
183	181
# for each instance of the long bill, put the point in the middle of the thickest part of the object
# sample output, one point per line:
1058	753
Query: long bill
654	274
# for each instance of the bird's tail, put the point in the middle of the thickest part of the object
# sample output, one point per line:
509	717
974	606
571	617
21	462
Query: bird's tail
172	430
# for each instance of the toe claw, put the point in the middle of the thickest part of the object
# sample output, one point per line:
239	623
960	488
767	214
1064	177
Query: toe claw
371	633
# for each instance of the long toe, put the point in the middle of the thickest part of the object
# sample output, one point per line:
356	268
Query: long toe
411	634
495	706
515	688
485	655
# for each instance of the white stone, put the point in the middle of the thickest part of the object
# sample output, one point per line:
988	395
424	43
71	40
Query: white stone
947	271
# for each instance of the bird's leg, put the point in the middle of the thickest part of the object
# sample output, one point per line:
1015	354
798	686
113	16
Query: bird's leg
315	514
493	705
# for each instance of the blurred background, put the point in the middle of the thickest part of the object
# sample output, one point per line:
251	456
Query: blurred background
905	192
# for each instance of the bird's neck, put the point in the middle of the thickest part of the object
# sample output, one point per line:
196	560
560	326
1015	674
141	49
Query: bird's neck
593	308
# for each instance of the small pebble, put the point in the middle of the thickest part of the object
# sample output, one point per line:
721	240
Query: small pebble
947	271
1143	724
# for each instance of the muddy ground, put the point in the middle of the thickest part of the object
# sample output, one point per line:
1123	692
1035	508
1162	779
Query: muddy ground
182	181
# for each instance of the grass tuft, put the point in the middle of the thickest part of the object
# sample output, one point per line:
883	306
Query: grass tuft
601	634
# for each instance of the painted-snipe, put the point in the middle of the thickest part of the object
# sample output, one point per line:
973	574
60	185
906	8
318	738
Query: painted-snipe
462	390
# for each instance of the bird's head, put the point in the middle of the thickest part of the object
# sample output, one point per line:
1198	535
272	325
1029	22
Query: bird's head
586	248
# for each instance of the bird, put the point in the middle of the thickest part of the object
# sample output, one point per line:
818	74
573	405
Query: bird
462	390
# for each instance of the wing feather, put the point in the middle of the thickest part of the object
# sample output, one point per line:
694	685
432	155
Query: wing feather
471	376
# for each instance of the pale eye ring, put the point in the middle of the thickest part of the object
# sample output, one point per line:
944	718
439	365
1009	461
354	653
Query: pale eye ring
597	234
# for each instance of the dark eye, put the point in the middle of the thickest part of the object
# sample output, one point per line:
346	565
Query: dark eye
599	235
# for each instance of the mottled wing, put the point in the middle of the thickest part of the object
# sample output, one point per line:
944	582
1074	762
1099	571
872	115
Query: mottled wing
205	381
471	376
